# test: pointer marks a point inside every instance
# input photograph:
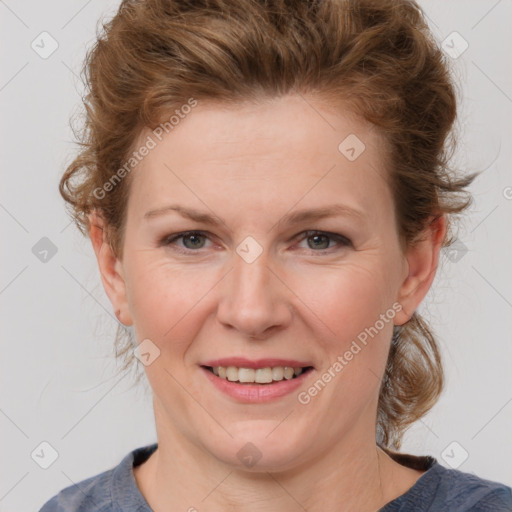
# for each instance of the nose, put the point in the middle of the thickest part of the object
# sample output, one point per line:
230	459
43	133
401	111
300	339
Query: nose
254	301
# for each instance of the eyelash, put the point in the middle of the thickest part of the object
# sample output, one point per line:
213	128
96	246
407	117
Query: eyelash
340	239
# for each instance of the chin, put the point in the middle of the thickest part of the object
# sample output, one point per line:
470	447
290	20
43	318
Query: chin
262	447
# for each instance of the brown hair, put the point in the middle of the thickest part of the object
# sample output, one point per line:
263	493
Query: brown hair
376	56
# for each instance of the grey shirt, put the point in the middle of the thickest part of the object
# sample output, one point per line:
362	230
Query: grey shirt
439	489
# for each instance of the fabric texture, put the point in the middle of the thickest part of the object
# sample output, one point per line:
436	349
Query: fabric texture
438	490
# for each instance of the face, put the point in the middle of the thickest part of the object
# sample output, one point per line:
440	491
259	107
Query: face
294	260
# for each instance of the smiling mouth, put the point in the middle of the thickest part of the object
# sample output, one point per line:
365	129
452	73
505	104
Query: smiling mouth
267	375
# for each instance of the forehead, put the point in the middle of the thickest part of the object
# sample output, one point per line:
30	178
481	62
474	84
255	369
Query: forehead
278	150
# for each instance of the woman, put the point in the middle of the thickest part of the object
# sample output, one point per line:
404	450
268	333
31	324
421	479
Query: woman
266	188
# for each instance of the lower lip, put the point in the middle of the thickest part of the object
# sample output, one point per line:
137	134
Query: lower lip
256	393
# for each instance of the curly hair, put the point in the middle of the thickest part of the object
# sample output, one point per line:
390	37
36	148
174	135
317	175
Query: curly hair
377	57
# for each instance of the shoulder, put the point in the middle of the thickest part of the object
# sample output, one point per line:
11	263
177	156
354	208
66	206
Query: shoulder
465	491
113	490
442	489
90	494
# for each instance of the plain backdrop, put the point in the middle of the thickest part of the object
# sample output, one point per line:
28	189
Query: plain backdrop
59	380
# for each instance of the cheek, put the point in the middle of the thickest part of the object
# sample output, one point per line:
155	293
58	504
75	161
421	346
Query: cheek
355	314
346	299
163	298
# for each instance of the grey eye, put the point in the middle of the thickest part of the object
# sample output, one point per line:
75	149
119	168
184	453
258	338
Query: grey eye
196	241
319	241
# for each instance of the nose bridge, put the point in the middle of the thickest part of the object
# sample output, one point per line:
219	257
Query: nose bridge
252	301
250	281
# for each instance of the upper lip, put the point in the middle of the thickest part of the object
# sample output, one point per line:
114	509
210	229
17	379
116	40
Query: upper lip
242	362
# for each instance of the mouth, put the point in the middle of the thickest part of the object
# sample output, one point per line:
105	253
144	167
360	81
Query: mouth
263	376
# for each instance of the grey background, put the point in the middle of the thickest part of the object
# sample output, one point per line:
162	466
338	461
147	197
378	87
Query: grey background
59	380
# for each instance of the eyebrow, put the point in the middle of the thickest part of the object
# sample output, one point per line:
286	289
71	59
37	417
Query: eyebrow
295	217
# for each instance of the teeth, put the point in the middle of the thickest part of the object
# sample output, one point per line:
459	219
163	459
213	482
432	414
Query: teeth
232	373
263	375
245	374
278	373
259	376
288	373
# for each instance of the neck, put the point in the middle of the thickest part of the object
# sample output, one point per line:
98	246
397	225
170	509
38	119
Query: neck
352	475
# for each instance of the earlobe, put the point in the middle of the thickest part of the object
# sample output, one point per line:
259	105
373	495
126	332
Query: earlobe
110	269
422	260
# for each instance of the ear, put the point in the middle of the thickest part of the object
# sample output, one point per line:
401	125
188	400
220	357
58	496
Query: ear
422	260
110	268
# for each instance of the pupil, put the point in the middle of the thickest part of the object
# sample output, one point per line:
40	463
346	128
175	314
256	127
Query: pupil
192	238
317	245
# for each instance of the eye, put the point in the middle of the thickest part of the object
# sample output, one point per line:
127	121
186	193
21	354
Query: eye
320	241
192	240
317	241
